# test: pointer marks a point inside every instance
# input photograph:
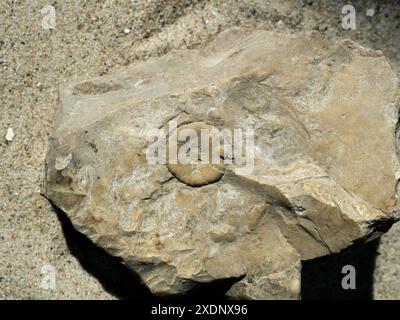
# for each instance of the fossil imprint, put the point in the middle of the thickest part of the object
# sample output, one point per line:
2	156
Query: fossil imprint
197	174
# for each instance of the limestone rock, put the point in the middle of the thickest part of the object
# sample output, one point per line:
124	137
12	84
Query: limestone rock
324	117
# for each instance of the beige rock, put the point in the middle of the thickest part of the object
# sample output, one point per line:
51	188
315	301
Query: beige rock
324	116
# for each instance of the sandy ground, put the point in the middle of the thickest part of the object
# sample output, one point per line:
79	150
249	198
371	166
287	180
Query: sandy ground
97	37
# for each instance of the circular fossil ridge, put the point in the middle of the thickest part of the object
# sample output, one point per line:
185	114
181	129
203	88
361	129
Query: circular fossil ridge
188	142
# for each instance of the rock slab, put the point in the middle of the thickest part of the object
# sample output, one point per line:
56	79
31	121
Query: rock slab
324	116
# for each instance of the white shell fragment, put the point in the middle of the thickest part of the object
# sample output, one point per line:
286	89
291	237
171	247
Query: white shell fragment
10	134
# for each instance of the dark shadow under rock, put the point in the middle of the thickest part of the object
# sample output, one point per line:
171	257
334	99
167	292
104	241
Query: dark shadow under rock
322	277
116	278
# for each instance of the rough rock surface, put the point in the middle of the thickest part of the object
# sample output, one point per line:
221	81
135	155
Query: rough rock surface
324	116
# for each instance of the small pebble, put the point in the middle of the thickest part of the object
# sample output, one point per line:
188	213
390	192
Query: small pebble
10	134
126	30
370	12
280	24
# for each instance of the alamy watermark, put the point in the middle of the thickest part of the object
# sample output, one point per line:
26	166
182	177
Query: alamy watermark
201	144
48	281
49	19
349	280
